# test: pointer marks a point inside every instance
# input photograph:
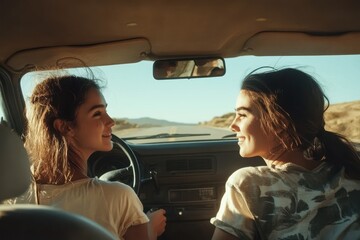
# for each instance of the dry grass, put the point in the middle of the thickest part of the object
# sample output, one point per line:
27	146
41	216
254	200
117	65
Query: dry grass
343	118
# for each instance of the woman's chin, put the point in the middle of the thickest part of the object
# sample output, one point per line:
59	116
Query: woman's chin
242	153
245	154
108	147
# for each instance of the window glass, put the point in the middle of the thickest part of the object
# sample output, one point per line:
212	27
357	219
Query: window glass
2	108
148	110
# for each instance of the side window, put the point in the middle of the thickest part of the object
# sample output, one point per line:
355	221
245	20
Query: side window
2	108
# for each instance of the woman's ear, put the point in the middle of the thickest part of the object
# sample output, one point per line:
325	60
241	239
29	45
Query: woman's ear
62	127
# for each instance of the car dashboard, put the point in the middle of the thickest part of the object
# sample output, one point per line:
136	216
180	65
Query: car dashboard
187	179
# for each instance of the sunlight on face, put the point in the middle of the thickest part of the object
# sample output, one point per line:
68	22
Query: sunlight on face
253	141
92	131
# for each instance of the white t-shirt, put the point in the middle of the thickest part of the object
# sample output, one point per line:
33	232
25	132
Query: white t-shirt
113	205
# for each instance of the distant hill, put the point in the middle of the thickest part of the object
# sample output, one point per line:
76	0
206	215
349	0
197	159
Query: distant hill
124	123
343	118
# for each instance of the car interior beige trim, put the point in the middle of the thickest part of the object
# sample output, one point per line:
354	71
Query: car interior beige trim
132	50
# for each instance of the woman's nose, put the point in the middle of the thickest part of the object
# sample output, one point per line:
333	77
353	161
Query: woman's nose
233	126
110	121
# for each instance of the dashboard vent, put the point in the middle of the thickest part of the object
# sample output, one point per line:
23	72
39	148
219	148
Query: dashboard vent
190	165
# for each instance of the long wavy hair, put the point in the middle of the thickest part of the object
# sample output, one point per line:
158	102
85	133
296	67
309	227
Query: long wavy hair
292	106
56	97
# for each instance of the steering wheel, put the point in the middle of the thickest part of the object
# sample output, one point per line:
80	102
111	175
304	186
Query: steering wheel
132	170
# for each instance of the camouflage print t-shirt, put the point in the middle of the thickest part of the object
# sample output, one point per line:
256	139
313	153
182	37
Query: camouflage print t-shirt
290	202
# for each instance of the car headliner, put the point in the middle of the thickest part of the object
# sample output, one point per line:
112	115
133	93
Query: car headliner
41	32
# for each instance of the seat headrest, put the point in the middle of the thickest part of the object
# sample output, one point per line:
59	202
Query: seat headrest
15	176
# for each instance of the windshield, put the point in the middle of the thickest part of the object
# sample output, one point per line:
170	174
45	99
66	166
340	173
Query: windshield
147	110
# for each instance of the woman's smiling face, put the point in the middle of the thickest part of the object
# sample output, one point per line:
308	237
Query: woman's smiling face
92	131
252	139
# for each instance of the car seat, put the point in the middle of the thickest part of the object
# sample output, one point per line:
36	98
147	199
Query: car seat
30	221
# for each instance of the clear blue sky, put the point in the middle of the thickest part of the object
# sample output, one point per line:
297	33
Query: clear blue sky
195	100
198	100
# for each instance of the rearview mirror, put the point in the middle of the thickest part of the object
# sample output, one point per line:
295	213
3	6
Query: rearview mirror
188	68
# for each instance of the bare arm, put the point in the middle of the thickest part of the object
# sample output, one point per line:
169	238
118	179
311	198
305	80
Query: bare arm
137	232
222	235
150	230
157	223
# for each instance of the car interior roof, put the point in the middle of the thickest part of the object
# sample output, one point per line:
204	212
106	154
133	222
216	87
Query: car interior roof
118	31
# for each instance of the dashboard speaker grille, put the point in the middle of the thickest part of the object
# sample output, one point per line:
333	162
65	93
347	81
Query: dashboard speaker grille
189	165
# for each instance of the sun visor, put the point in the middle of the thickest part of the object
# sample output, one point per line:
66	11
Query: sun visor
128	51
290	43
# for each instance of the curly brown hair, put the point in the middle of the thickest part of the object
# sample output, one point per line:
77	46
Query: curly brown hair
54	98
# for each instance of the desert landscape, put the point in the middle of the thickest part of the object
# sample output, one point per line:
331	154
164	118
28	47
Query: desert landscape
342	118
